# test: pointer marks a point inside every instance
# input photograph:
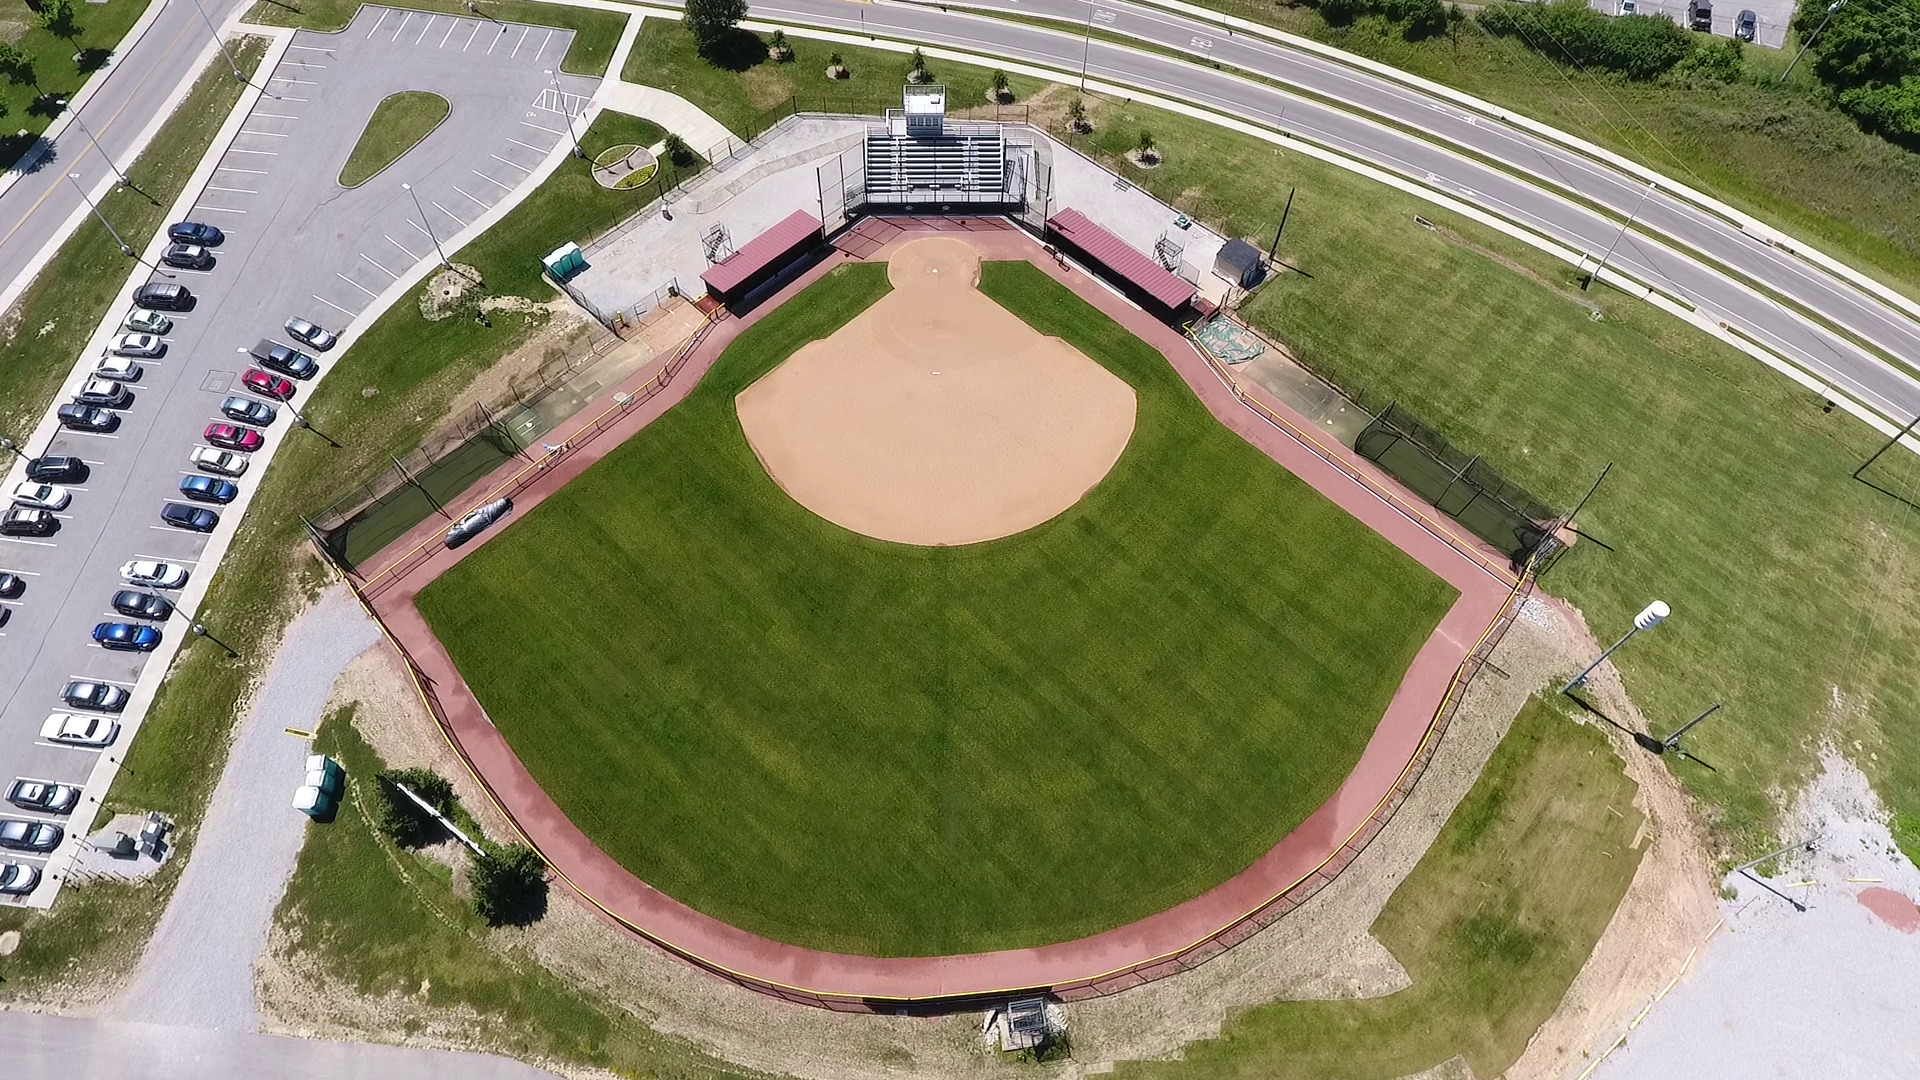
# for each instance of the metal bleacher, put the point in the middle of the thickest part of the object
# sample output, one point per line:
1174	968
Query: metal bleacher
916	155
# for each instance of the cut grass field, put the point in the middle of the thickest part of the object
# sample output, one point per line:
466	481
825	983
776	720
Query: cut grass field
1796	590
387	923
60	65
397	125
1491	926
595	31
750	101
896	750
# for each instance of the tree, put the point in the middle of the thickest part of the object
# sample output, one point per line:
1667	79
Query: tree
778	48
1144	148
917	71
711	22
16	66
401	819
679	152
999	83
1077	116
509	884
58	16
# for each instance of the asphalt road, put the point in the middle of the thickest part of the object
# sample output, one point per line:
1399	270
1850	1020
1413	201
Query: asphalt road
296	244
1533	202
36	206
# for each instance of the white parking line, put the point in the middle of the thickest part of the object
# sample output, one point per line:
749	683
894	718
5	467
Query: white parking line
468	194
35	573
380	268
418	229
268	134
424	29
504	161
217	210
543	44
490	179
262	153
334	306
530	146
276	116
524	31
68	746
470	37
370	293
401	246
384	12
305	66
496	40
283	97
234	190
451	27
548	130
92	434
448	212
296	82
250	172
24	540
310	48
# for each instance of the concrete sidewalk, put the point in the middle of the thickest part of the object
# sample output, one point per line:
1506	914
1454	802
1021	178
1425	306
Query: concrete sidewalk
669	110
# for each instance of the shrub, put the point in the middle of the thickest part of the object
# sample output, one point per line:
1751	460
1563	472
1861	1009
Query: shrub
509	884
678	151
1570	32
400	818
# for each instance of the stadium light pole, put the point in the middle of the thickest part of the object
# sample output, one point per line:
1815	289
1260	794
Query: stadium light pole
1832	10
1650	616
200	630
119	173
560	96
1619	236
427	225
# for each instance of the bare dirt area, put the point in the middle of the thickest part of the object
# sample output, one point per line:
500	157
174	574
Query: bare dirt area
936	416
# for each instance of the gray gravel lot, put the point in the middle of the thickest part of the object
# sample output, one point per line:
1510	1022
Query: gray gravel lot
198	969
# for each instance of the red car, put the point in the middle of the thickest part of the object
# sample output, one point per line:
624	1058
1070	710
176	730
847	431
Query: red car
267	385
234	437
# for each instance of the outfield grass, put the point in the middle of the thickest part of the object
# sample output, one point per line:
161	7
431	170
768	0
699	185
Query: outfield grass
1491	926
1796	591
595	32
750	101
386	922
397	125
61	66
900	750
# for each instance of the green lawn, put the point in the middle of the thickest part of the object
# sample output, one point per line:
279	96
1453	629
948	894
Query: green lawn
900	750
595	32
1796	591
386	922
397	125
1491	926
749	102
1774	151
61	66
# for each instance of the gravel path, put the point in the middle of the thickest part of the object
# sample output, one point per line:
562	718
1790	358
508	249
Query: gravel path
198	970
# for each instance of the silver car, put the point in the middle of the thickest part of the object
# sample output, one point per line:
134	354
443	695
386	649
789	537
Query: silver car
311	334
18	878
118	368
146	346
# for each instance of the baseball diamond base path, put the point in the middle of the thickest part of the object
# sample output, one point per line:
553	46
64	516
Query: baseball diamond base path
1115	959
936	416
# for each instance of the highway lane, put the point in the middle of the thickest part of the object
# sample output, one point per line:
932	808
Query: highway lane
36	207
296	243
1830	356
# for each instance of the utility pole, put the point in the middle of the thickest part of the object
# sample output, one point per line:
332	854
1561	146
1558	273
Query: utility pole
117	170
125	248
1624	226
428	225
1832	10
237	76
1086	48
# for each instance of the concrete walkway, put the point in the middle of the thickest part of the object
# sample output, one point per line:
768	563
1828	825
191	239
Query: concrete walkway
198	969
36	1046
670	111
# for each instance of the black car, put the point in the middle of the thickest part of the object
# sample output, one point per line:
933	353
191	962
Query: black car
194	232
187	257
284	359
43	795
11	585
86	417
54	470
91	694
247	411
182	516
25	521
163	296
1744	25
30	835
141	605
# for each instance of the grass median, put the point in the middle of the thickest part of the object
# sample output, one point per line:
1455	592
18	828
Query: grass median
397	125
595	32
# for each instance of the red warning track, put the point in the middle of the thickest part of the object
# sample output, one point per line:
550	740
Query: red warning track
1172	940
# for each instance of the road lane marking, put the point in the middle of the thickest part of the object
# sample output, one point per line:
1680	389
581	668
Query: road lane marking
357	285
380	268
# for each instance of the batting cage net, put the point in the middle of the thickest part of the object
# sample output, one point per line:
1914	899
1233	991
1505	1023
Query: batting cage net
1457	483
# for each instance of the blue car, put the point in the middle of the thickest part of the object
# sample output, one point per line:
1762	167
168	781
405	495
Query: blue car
208	489
126	636
182	516
194	232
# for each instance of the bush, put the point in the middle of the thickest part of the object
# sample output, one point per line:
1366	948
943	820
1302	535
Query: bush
1570	32
401	819
1417	19
1890	111
1723	61
679	152
1868	58
509	884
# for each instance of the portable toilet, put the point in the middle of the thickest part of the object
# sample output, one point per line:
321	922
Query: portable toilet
326	774
311	801
565	261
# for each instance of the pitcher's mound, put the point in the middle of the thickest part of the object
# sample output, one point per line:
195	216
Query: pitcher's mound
936	416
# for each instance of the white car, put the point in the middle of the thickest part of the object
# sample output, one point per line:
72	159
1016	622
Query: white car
41	496
142	321
118	368
154	574
18	878
79	729
215	460
147	345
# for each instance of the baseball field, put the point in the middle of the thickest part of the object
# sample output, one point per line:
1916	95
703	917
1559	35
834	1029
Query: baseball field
900	749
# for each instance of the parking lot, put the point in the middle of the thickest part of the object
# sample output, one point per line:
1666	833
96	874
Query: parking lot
1771	17
296	244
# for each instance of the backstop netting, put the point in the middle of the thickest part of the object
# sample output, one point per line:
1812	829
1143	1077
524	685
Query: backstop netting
1458	484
